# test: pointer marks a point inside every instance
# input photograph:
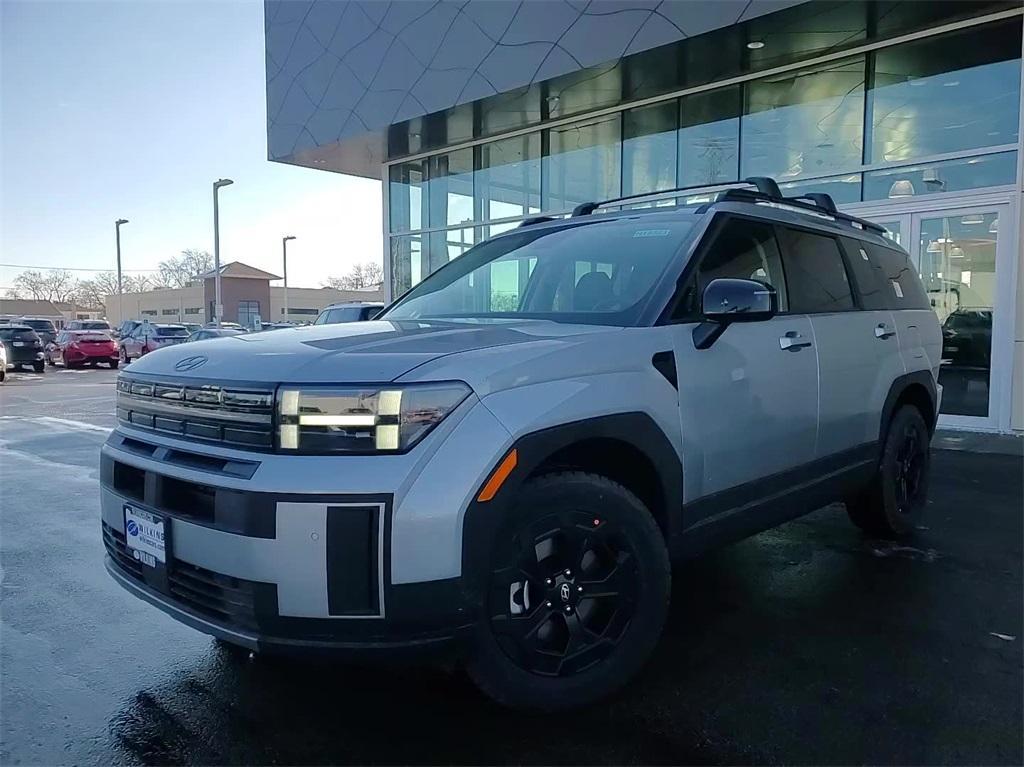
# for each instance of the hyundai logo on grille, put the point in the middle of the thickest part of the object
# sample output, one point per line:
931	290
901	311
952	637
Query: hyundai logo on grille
191	363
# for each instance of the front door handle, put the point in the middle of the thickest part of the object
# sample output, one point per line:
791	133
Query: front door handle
793	341
883	331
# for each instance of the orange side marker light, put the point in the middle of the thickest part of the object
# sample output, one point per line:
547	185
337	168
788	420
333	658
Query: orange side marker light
499	476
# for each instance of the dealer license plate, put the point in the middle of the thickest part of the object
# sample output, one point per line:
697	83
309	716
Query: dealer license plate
144	534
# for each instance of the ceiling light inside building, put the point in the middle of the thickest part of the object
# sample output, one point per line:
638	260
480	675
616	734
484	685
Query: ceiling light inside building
755	45
972	219
902	188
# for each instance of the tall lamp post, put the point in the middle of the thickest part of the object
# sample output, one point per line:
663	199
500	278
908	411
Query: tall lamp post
117	229
284	254
218	310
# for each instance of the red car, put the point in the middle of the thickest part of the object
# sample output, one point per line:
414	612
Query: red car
74	348
148	337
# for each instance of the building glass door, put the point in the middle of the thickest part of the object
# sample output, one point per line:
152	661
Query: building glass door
967	269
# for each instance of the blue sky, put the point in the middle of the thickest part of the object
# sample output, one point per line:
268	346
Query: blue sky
131	110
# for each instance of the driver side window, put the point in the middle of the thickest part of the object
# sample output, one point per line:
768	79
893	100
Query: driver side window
741	249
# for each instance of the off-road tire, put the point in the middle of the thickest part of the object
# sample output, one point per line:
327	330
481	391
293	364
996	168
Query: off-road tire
893	503
567	495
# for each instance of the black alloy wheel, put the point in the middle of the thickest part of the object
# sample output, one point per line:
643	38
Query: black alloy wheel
909	469
564	592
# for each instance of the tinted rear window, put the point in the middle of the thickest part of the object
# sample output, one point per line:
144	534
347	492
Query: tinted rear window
346	314
870	279
816	278
171	332
40	324
903	289
18	334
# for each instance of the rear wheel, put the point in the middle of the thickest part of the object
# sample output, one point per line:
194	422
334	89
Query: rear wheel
577	597
39	367
113	364
123	356
893	502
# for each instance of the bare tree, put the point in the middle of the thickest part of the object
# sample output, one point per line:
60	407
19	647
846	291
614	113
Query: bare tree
180	271
368	275
52	285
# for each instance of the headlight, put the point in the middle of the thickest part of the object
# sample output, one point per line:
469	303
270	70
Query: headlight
389	419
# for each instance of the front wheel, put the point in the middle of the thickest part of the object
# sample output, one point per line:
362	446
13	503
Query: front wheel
894	501
123	356
39	367
577	597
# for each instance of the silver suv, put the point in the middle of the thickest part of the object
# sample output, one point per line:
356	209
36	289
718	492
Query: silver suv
507	461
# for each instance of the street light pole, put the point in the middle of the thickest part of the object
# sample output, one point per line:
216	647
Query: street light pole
284	254
218	310
117	229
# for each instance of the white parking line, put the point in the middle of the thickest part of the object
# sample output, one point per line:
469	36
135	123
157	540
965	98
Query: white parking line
59	422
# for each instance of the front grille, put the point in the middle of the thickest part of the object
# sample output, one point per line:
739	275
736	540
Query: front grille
116	547
236	417
219	597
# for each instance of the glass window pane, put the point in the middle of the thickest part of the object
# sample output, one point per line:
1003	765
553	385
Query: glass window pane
508	182
582	164
709	136
744	250
958	266
508	111
585	90
815	274
649	148
451	187
405	196
946	94
843	189
948	176
807	122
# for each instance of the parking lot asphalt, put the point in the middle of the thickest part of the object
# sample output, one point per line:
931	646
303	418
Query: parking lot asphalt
809	644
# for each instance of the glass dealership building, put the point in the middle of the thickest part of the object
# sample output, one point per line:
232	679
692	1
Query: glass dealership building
478	115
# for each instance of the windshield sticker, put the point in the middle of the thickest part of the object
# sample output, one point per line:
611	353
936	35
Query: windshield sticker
652	233
863	254
896	287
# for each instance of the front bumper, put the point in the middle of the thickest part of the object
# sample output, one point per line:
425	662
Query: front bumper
316	552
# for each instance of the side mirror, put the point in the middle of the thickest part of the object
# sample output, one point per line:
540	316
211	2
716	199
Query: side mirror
728	300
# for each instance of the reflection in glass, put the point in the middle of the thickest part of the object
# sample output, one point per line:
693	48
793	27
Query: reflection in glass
808	122
946	94
893	229
585	90
958	267
508	182
709	137
511	110
649	148
450	187
406	263
407	203
843	189
583	164
947	176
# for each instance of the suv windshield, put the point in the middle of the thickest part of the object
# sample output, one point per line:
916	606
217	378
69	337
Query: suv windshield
342	314
597	272
93	325
44	325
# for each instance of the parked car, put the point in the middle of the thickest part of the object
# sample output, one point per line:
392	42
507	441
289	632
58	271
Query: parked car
148	337
24	347
3	362
204	334
44	328
125	328
231	325
508	461
967	339
88	325
359	311
192	327
75	348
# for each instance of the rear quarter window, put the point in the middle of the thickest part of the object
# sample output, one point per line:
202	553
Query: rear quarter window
871	281
902	286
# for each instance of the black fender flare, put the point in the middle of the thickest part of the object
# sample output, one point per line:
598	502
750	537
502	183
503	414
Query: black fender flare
896	389
484	520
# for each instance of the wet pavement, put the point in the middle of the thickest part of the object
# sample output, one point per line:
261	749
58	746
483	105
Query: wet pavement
807	644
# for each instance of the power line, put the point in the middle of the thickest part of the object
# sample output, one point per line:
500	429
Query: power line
70	268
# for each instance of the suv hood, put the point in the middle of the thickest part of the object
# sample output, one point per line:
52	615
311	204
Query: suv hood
356	352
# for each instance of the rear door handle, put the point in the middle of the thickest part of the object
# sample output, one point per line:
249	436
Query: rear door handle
883	331
793	341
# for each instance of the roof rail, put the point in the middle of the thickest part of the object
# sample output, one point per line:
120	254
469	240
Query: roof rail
765	190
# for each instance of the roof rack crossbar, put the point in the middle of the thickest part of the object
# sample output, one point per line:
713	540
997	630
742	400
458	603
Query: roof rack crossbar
765	189
586	208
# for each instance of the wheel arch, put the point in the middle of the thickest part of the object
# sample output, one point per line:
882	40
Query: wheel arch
916	389
629	448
